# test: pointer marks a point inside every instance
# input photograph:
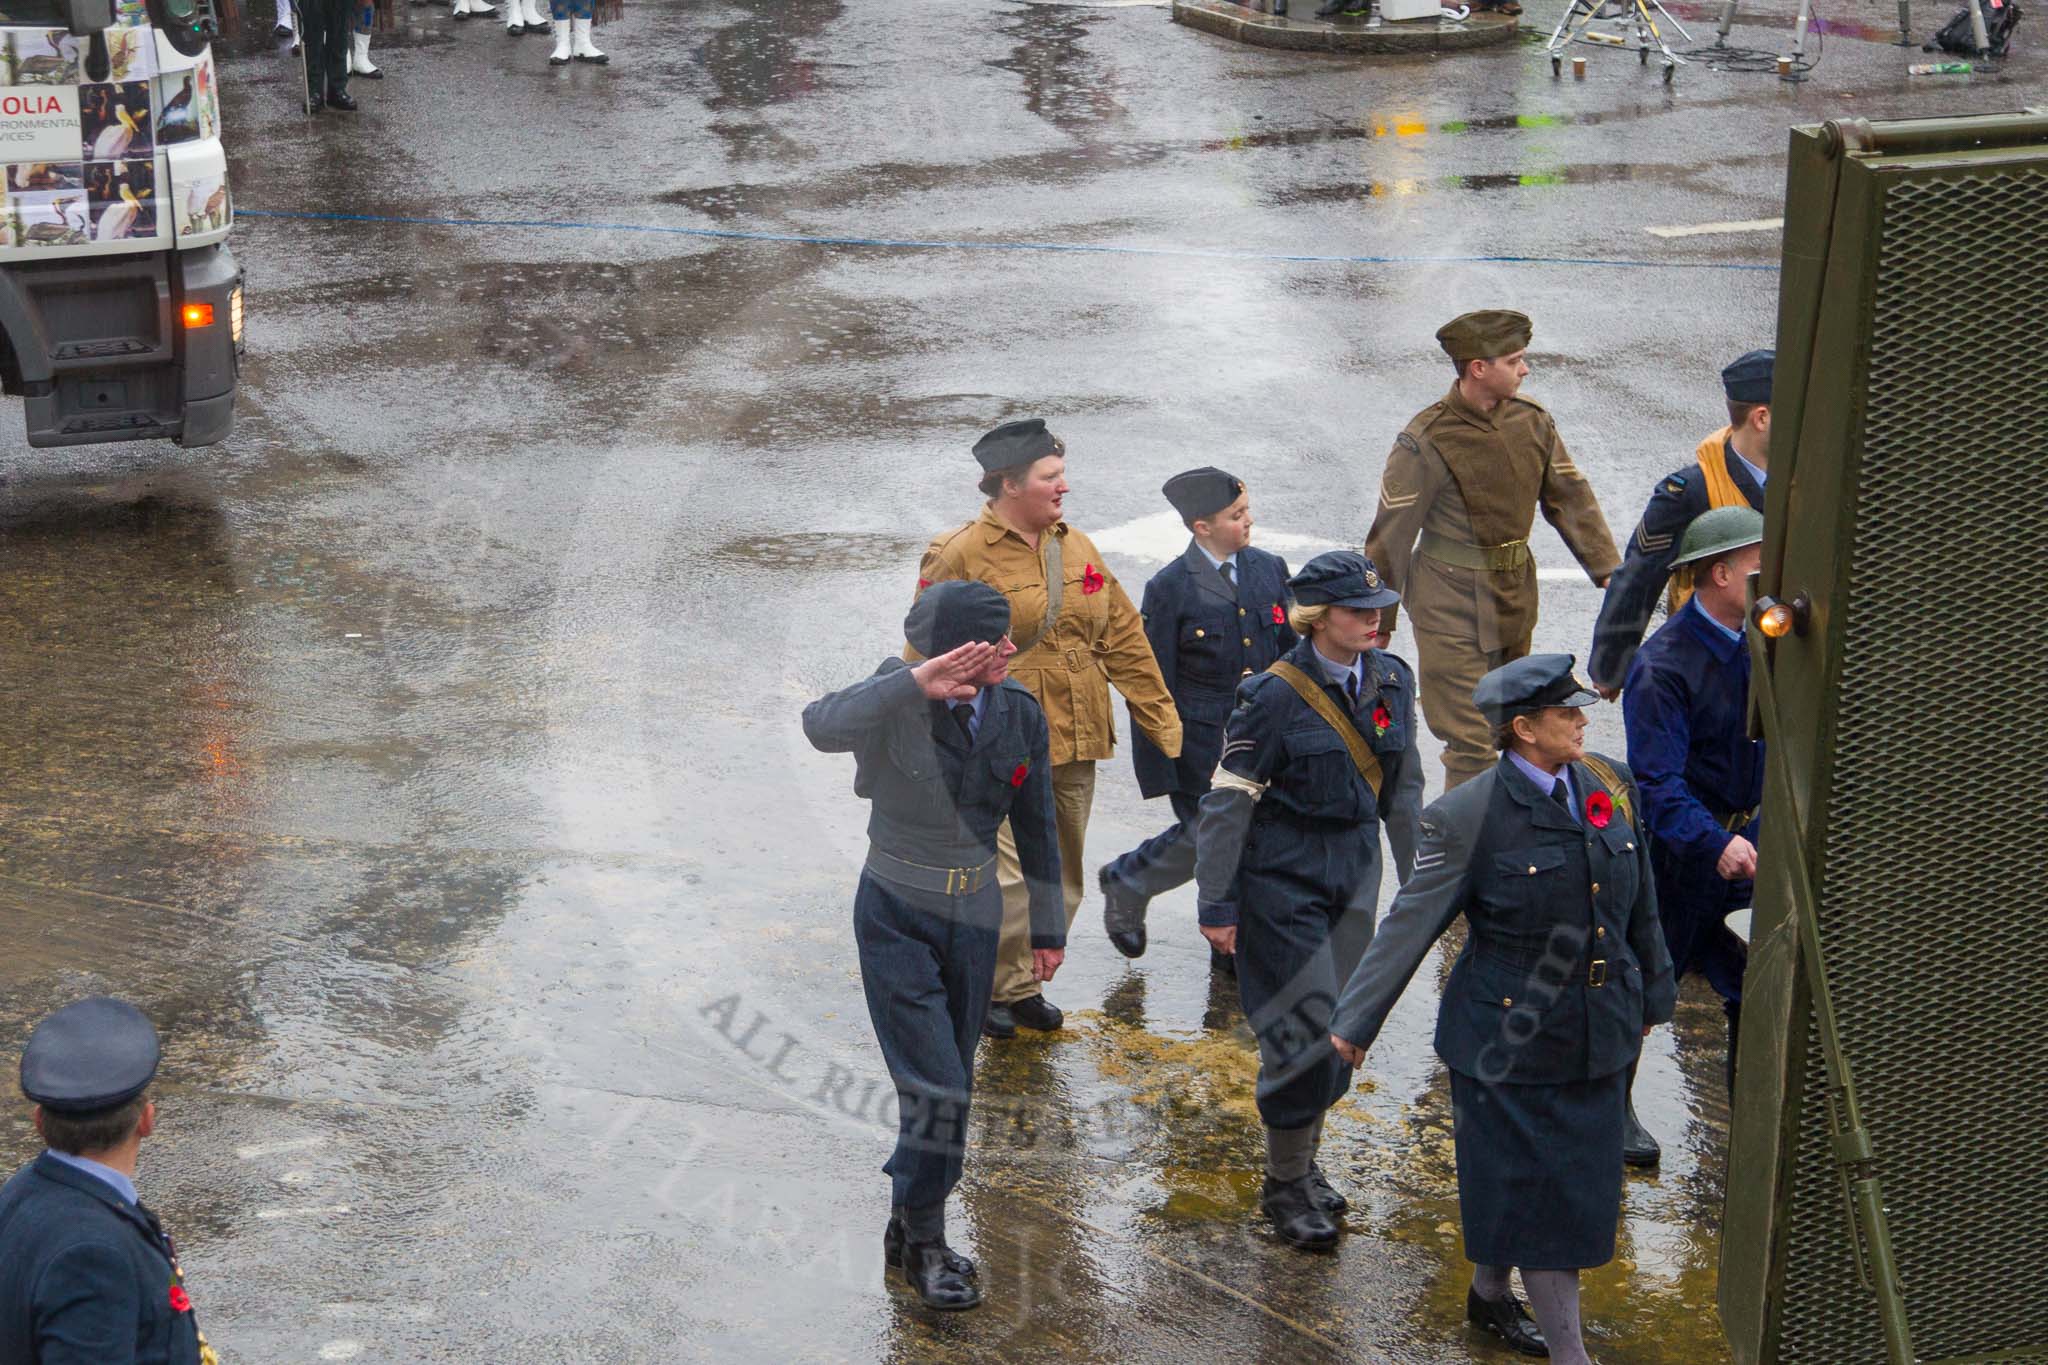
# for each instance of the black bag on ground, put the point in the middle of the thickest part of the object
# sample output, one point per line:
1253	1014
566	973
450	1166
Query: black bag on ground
2000	17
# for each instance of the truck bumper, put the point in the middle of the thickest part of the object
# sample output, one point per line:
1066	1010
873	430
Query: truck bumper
103	349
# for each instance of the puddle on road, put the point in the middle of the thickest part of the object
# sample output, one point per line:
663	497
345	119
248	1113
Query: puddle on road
819	551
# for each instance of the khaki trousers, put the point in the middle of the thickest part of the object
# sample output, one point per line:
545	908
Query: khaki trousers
1073	796
1450	669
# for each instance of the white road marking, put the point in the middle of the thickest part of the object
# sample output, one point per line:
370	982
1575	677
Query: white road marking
1161	537
273	1148
308	1211
341	1350
1712	229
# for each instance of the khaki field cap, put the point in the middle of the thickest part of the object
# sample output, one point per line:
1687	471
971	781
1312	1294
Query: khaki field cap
1485	334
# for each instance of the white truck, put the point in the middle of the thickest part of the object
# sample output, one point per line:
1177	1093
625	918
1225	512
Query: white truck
120	304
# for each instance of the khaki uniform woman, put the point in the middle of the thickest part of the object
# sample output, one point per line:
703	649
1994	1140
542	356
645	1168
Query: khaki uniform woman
1077	634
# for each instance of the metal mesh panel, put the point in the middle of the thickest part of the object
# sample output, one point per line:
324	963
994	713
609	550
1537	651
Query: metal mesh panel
1934	876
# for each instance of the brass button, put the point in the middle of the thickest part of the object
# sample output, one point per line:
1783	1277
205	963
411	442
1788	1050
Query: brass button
1631	848
1199	632
1532	869
1507	1000
1247	642
1596	888
1240	611
1246	674
1600	932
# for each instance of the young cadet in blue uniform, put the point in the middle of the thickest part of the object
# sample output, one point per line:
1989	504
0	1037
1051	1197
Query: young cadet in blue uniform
1215	616
1729	470
1564	969
1318	754
946	750
89	1276
1686	707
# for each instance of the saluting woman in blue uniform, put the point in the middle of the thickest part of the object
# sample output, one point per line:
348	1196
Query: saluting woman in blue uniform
1564	969
1319	752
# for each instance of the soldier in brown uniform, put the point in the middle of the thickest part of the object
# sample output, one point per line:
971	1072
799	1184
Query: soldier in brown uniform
1465	479
1095	637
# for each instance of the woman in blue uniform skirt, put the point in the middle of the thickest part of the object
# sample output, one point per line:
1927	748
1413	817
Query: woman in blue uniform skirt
1564	969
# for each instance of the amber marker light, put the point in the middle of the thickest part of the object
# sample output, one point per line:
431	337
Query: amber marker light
1774	618
198	315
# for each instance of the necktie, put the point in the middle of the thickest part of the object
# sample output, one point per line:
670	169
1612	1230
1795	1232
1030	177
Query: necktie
1563	799
963	712
1229	572
1351	689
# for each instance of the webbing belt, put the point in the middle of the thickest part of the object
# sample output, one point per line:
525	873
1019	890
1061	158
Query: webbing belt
1483	558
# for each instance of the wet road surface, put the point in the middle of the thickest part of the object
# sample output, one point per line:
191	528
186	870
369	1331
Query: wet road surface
425	759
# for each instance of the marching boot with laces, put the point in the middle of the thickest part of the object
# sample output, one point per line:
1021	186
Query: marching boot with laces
1291	1206
1507	1319
583	50
560	56
894	1238
927	1270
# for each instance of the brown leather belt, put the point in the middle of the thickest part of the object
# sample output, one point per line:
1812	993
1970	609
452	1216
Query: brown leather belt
1482	558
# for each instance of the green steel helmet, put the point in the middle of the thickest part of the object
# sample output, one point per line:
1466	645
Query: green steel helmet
1718	531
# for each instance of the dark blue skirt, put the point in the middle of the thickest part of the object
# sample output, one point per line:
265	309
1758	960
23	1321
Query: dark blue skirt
1539	1170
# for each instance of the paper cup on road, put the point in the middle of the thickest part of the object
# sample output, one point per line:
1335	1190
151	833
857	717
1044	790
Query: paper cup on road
1784	68
1578	68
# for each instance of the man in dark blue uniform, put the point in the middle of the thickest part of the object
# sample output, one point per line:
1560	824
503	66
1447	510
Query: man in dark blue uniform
1702	776
89	1276
1215	616
1563	971
1730	469
1319	753
946	750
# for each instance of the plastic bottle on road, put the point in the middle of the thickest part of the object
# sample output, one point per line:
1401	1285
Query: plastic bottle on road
1939	69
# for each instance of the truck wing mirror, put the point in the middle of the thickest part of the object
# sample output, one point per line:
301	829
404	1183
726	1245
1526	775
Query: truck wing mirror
89	16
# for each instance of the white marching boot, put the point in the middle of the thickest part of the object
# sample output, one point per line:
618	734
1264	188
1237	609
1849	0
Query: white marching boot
515	23
287	24
462	9
582	49
536	18
560	56
359	63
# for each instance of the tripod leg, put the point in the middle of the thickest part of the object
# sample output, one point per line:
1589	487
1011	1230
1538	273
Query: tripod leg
1799	27
1905	38
1977	34
1672	20
1727	22
1557	38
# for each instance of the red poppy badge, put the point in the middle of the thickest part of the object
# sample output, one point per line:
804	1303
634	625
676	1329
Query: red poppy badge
1279	616
1023	770
1599	810
1091	579
181	1302
923	583
1382	720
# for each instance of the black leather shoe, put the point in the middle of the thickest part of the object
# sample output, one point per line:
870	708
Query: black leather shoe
999	1023
1326	1197
1032	1012
1638	1148
1225	963
894	1238
315	105
1506	1319
926	1270
344	102
282	31
1292	1208
1123	914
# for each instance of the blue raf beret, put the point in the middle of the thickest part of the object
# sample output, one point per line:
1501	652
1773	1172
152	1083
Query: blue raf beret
1530	684
95	1054
1015	443
953	613
1203	492
1341	578
1748	379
